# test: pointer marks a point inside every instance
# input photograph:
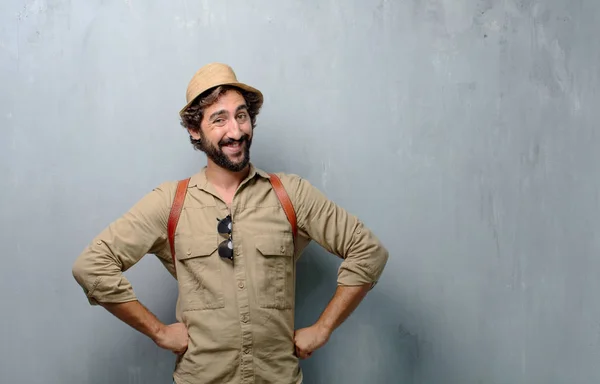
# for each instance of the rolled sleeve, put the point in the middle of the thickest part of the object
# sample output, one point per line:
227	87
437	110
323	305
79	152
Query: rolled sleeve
142	230
341	233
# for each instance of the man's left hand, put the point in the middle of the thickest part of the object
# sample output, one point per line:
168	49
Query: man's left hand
308	340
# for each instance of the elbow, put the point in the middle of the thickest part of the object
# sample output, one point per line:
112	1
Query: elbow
85	271
385	255
79	271
382	256
100	280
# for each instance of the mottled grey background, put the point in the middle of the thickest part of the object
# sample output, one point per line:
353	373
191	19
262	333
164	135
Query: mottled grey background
465	133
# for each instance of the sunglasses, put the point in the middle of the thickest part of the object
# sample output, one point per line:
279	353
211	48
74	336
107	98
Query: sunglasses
226	246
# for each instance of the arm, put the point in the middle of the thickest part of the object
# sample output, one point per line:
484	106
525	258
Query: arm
345	300
99	268
344	235
343	303
173	337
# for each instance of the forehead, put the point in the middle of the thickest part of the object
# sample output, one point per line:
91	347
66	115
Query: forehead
227	102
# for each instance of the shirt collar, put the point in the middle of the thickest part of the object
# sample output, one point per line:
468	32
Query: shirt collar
200	181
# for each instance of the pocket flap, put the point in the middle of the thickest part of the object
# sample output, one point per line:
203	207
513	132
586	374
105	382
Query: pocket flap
195	246
280	244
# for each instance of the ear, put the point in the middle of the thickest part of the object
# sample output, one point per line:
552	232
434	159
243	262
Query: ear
195	134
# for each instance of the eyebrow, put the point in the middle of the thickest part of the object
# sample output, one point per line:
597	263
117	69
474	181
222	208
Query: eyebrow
222	111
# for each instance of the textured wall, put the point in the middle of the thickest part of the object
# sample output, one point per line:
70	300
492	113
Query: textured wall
464	133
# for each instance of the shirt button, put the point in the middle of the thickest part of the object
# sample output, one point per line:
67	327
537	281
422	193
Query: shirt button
99	242
282	250
358	231
240	284
246	350
189	252
245	318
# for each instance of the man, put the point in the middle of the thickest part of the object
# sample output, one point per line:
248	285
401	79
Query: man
234	251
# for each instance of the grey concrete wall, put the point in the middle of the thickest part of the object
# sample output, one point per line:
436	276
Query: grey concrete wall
465	133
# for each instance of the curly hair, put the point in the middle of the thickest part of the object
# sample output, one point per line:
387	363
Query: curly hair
191	118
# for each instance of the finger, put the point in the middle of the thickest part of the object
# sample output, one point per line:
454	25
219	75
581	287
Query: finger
180	351
302	353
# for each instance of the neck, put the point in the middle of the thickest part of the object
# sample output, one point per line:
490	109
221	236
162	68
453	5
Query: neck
223	178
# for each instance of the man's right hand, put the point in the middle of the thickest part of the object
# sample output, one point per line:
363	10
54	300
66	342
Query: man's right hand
173	337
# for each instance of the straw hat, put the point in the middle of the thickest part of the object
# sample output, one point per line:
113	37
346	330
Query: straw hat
213	75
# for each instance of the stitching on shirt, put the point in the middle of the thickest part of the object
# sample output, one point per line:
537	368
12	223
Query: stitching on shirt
94	286
220	302
243	206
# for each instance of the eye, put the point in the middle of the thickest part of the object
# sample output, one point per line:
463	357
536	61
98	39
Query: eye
218	121
242	116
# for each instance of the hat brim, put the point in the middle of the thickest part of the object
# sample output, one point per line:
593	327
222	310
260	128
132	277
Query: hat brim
239	85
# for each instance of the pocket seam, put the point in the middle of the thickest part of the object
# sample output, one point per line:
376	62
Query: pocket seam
268	247
192	247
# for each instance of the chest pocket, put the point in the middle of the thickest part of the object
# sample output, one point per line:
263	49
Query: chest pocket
199	273
276	271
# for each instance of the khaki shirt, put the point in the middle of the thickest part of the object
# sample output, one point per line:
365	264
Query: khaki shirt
240	314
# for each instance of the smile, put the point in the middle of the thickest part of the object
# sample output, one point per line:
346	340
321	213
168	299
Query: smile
236	144
233	147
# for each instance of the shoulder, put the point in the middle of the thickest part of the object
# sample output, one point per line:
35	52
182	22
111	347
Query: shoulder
166	188
298	187
161	196
290	181
287	177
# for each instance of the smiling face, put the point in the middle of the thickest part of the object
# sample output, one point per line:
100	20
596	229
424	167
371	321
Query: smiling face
225	133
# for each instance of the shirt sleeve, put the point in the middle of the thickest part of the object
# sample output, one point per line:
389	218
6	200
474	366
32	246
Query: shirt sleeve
341	233
142	230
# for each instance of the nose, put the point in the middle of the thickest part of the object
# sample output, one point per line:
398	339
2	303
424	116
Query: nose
234	132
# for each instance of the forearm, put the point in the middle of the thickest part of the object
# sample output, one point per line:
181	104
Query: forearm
344	302
138	317
173	337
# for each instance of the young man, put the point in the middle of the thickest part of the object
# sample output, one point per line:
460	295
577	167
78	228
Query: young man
233	247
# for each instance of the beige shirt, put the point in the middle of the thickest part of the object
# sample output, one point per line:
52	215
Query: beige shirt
240	314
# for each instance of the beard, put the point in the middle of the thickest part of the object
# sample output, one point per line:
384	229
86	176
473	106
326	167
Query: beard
217	155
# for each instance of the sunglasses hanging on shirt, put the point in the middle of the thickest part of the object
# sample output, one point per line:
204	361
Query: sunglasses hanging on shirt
226	246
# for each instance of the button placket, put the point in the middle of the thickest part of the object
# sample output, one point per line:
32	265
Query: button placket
241	277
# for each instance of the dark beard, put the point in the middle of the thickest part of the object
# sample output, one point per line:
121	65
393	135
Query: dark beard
219	157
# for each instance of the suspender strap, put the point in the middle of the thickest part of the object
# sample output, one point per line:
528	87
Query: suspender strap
285	201
175	212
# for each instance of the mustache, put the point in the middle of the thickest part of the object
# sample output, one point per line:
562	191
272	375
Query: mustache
241	140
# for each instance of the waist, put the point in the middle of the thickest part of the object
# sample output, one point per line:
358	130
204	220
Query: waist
226	348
